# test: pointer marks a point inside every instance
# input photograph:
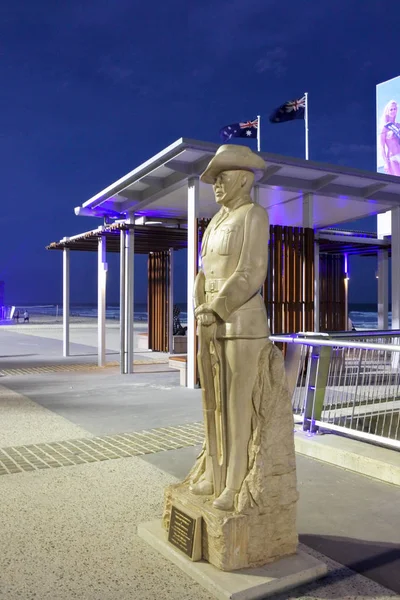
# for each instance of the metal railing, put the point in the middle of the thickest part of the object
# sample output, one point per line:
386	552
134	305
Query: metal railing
346	385
390	336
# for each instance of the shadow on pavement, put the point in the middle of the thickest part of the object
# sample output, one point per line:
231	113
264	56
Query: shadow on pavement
379	561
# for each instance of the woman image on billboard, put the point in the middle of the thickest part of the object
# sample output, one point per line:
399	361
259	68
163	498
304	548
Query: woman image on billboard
390	139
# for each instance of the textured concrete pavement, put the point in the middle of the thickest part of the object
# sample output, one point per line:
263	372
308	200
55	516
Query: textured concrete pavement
70	532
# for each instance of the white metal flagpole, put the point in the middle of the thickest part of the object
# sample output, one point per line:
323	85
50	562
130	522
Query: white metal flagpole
306	122
258	133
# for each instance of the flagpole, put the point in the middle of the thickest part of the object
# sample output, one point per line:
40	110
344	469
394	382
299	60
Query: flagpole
258	133
306	122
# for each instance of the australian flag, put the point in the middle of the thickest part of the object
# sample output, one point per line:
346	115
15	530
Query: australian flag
243	130
294	109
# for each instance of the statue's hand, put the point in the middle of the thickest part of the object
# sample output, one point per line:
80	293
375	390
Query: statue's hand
205	315
206	319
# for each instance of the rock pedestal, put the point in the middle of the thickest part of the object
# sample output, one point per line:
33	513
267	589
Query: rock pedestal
262	528
233	541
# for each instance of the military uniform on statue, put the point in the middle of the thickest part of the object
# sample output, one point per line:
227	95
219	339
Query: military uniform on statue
243	484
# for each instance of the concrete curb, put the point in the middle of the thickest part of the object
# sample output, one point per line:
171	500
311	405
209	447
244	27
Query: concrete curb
366	459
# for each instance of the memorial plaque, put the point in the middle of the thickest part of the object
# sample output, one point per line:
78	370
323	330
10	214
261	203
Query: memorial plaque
185	533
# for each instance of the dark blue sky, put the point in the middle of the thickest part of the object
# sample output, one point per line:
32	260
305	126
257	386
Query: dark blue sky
92	88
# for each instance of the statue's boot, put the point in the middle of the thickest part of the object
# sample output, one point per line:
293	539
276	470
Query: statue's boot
226	500
202	488
205	485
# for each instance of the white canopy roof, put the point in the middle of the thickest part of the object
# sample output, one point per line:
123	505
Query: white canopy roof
158	188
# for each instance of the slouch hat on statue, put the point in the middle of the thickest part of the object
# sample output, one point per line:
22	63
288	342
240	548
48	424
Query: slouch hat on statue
231	157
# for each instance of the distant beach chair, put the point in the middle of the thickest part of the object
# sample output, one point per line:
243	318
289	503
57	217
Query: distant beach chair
177	328
350	325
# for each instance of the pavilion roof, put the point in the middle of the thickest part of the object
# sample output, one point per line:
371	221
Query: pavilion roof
148	238
158	188
338	241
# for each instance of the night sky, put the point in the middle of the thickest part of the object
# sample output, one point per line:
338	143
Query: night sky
92	88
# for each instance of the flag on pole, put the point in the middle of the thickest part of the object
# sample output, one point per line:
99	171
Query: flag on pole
243	130
294	109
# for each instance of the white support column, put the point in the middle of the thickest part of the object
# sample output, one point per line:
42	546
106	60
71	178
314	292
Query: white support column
129	294
383	289
316	285
256	194
308	210
256	200
66	295
171	302
396	268
192	258
346	291
122	308
101	300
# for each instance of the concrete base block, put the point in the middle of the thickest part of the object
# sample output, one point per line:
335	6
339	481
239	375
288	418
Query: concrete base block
353	455
142	341
246	584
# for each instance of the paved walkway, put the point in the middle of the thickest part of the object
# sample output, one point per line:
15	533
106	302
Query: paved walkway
87	461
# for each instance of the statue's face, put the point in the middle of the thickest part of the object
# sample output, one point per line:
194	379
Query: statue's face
227	186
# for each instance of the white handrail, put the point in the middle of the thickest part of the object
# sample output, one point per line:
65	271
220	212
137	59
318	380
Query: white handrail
306	341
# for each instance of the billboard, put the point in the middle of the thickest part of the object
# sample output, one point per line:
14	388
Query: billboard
388	127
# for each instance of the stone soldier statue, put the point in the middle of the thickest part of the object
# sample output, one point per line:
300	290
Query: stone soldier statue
227	298
243	483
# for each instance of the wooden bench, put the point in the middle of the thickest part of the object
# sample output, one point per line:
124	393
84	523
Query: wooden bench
179	363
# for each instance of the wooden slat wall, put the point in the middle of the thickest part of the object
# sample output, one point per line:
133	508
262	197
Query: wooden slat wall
289	287
332	293
309	279
158	295
158	301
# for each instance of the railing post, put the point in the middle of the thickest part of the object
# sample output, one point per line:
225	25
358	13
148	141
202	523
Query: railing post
317	378
292	365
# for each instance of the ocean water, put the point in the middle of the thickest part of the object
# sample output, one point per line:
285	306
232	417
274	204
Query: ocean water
81	310
363	316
